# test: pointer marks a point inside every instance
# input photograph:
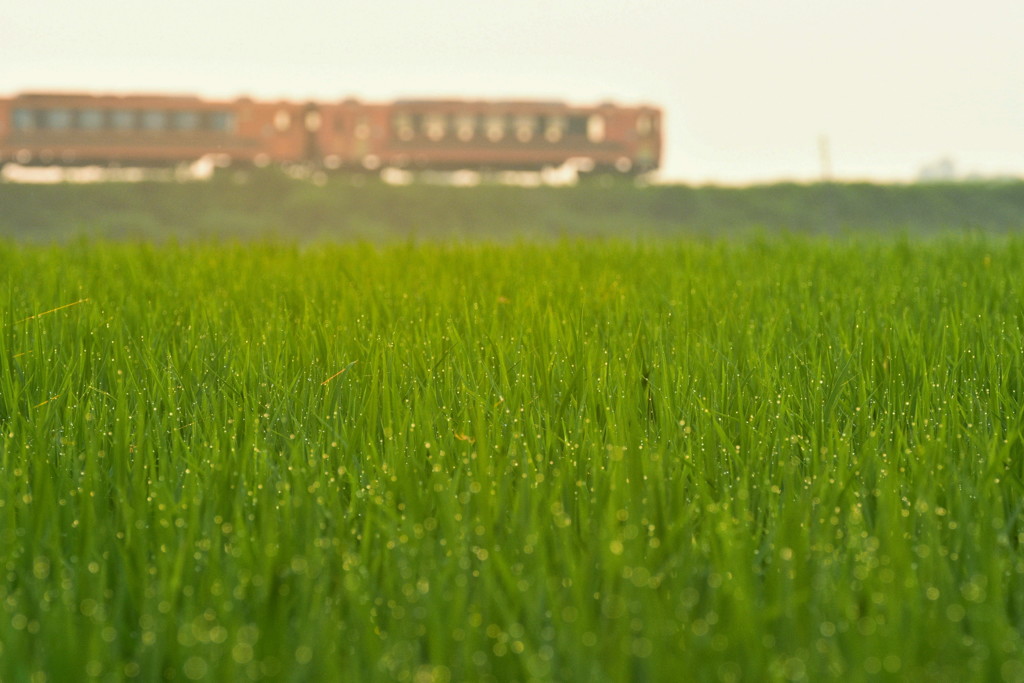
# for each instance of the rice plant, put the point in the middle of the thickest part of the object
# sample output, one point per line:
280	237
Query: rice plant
767	459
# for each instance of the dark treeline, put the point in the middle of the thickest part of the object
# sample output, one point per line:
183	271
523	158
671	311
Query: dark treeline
271	205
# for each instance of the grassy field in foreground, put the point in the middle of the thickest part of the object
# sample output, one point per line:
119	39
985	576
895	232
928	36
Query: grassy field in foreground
767	460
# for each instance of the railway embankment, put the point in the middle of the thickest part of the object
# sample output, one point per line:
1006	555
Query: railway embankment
346	208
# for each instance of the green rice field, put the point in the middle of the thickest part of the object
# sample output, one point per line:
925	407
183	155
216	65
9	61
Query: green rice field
758	459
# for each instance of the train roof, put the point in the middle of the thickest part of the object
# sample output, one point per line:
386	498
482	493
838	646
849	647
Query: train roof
426	101
447	105
37	95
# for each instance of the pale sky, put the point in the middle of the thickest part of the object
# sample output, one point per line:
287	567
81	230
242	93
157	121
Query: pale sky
749	87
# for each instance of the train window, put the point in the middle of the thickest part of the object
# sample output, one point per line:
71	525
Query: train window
525	128
577	126
90	119
362	130
494	126
434	126
595	128
57	119
122	119
404	127
24	119
154	120
465	127
313	121
282	120
221	121
644	124
185	120
555	129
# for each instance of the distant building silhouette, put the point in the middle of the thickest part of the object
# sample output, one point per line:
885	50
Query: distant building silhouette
939	171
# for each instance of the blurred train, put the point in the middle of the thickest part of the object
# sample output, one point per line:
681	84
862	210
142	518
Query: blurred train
53	129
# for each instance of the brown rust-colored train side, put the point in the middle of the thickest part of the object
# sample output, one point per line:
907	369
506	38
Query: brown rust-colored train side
456	134
71	129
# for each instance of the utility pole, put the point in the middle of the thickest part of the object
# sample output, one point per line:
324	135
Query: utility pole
826	158
827	189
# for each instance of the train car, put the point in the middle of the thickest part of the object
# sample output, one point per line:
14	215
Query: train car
147	130
54	129
498	135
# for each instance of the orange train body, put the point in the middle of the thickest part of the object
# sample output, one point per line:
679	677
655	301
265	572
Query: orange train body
155	130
